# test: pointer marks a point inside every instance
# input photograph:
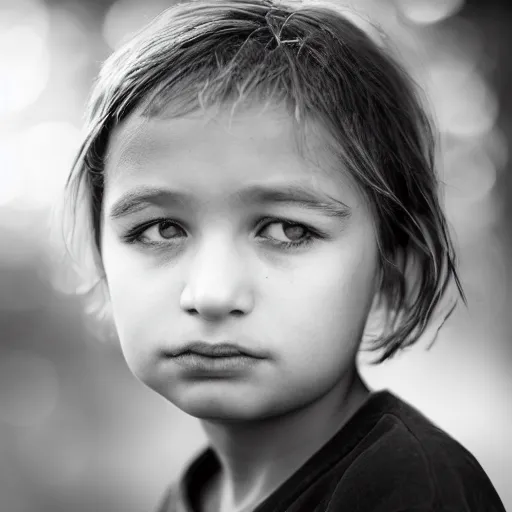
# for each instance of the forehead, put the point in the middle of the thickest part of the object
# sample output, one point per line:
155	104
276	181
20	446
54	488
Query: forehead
216	148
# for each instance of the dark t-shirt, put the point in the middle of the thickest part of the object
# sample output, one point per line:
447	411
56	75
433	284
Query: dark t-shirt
387	458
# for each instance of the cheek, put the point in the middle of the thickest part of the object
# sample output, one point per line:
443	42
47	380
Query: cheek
137	304
128	273
337	285
142	321
327	307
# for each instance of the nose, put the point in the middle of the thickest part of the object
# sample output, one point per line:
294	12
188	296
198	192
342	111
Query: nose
218	282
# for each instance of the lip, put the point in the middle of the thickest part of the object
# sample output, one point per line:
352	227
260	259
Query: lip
214	366
225	349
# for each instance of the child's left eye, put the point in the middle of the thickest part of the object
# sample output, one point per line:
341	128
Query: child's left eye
164	232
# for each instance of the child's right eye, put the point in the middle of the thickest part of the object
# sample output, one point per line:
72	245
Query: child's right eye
162	227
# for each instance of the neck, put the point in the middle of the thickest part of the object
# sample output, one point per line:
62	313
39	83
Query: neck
257	458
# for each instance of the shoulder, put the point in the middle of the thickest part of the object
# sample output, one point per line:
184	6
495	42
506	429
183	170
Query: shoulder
411	460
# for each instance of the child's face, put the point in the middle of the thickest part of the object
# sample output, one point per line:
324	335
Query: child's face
218	274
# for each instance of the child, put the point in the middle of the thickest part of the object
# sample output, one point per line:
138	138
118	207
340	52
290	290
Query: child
290	161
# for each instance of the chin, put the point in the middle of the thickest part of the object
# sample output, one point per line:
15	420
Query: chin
221	411
223	408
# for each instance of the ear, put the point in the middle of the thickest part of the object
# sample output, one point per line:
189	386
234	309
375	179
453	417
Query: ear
376	314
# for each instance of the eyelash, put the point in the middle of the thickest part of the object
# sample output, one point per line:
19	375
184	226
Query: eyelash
136	235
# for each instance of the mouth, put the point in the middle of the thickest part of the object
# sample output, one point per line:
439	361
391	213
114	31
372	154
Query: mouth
214	359
214	350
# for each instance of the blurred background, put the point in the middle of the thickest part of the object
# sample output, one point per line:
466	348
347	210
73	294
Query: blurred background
77	431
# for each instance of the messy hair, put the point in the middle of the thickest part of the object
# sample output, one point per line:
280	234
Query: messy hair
321	66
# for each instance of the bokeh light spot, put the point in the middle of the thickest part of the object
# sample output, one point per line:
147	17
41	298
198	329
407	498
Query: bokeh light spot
470	173
463	103
24	54
429	11
37	175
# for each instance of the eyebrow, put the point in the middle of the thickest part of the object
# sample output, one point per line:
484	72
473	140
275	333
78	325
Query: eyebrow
142	197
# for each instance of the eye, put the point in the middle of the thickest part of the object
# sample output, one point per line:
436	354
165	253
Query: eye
289	229
164	232
164	229
158	232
